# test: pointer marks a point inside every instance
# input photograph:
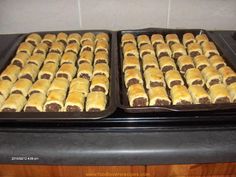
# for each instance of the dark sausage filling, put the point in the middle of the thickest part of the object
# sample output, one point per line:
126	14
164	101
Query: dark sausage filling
18	63
27	76
183	102
31	109
197	82
132	82
167	68
186	67
63	75
73	109
156	84
98	89
201	67
17	92
177	55
53	107
222	100
230	80
204	100
85	76
176	82
140	102
161	102
8	110
94	110
214	81
194	54
46	76
6	78
163	54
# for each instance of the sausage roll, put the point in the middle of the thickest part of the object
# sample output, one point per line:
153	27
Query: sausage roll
99	83
173	78
163	50
217	61
85	71
55	101
180	95
154	78
133	76
53	58
101	69
57	47
130	50
22	87
167	64
232	91
157	39
199	94
149	61
20	59
79	85
85	57
33	39
10	73
188	38
102	46
143	39
193	76
74	102
48	71
96	101
211	76
2	99
88	46
67	71
201	38
14	103
219	94
172	39
87	37
228	75
42	48
30	72
25	47
62	37
74	38
137	96
49	39
35	103
128	38
158	97
146	49
131	62
102	36
201	62
194	49
36	59
5	88
101	57
59	84
178	50
185	63
40	86
68	58
73	47
209	49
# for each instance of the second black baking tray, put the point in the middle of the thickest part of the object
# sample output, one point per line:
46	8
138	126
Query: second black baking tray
46	116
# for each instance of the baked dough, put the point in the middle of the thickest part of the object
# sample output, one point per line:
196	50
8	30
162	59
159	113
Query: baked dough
185	62
101	57
157	39
137	96
22	87
5	88
211	76
194	49
59	84
163	50
88	46
128	38
62	37
14	103
228	75
96	102
48	71
146	49
35	103
173	78
49	39
10	73
154	78
199	94
217	61
30	71
193	76
102	45
68	58
36	59
209	49
55	101
25	47
88	36
74	38
149	61
219	94
100	83
20	59
67	71
85	57
57	47
130	49
73	47
143	39
53	58
41	48
74	102
232	91
172	39
201	61
85	71
133	76
167	64
158	97
79	85
101	69
131	62
40	86
33	39
201	38
102	36
188	38
2	99
178	50
180	95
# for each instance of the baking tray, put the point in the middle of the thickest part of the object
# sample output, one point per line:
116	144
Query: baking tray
111	104
229	37
123	99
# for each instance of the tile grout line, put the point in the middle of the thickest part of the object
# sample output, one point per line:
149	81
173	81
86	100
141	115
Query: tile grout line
80	18
168	14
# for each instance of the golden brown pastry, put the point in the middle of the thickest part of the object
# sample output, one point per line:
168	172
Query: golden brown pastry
209	49
5	88
130	49
128	38
211	76
178	50
20	59
180	95
67	71
59	84
131	62
88	36
133	76
35	103
85	71
10	73
167	64
22	87
74	38
146	49
48	71
36	59
201	38
137	96
68	58
40	86
99	83
158	97
154	78
199	94
79	85
101	57
101	69
163	50
172	39
157	39
74	102
55	101
14	103
62	37
188	38
219	94
25	47
53	58
49	39
85	57
102	36
73	47
33	39
102	46
173	78
57	47
2	99
194	49
88	46
228	75
30	71
143	39
149	61
232	92
193	76
217	61
185	62
96	102
201	61
41	48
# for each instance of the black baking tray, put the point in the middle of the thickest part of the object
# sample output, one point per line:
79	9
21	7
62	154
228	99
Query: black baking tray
124	103
111	104
229	37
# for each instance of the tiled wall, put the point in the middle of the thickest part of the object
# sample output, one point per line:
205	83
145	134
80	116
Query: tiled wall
37	15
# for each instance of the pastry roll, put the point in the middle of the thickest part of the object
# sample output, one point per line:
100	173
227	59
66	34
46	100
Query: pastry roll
188	38
154	78
217	61
48	71
228	75
62	37
101	57
211	76
2	99
149	61
178	50
133	76
232	92
41	48
88	46
128	38
14	103
173	78
167	64
101	69
201	61
22	87
49	39
185	63
180	95
36	59
96	102
40	86
74	38
53	58
143	39
5	88
67	71
73	47
25	47
85	57
219	94
85	71
87	37
10	73
157	39
137	96
102	36
209	49
68	58
20	59
193	76
55	101
131	62
172	39
34	39
201	38
163	50
57	47
194	49
199	94
59	84
99	83
102	46
146	49
74	102
79	85
35	103
130	50
158	97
